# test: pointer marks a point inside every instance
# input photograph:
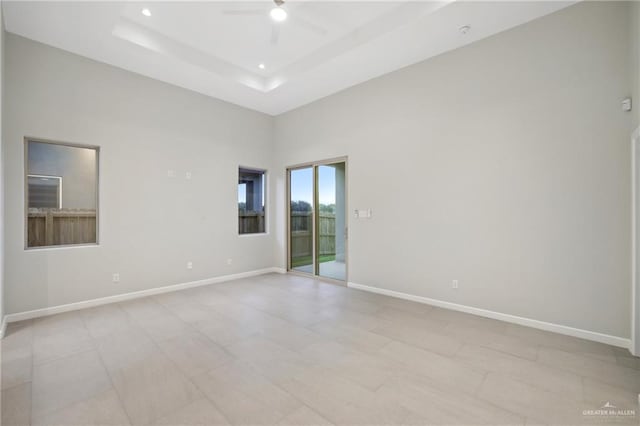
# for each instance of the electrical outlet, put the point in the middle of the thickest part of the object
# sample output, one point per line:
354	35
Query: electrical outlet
187	175
116	277
454	284
189	265
171	173
229	261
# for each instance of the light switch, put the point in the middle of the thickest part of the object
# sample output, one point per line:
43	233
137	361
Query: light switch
363	213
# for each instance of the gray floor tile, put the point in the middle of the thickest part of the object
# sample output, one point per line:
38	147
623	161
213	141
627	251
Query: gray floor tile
530	401
304	416
16	405
194	353
16	371
288	350
438	406
60	383
437	367
152	389
607	372
102	409
199	413
539	375
244	396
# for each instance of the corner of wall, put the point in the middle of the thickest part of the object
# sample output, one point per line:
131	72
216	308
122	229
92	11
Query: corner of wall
635	137
635	65
3	326
2	62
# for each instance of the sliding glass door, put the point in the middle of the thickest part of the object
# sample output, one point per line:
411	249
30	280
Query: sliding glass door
317	219
301	220
331	221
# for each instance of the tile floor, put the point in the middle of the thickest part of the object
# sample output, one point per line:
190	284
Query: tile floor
287	350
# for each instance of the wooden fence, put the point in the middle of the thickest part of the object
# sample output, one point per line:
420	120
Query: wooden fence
52	227
301	234
250	223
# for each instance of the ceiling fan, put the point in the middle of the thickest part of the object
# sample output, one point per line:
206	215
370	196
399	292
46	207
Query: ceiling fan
279	14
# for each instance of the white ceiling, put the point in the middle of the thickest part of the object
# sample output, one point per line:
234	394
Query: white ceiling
215	47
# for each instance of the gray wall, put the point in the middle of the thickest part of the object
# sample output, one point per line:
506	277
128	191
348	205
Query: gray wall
150	224
504	164
2	64
635	57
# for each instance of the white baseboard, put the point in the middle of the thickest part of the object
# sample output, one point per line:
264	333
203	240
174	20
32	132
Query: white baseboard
20	316
528	322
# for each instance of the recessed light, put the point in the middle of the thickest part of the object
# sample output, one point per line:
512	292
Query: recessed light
278	14
146	12
261	66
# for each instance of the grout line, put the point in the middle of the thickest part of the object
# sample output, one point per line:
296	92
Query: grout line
484	379
583	389
61	358
104	365
182	373
476	395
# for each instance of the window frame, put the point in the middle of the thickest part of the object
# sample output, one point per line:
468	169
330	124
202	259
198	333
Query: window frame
25	183
265	199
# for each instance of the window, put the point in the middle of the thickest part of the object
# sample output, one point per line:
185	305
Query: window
62	194
251	195
45	191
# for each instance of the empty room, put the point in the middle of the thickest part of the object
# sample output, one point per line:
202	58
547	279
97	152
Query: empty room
319	212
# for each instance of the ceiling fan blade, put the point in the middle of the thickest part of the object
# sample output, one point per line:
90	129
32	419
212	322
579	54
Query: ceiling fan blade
253	12
301	22
275	34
